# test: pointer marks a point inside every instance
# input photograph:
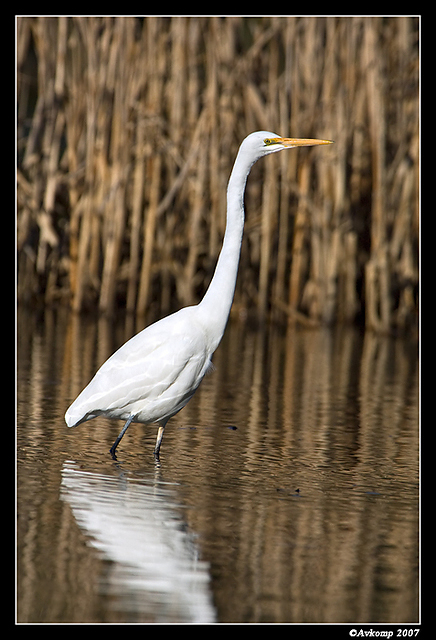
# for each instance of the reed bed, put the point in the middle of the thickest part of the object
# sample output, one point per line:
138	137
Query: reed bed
127	131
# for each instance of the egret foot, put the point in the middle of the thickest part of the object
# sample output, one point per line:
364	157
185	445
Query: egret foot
160	433
118	440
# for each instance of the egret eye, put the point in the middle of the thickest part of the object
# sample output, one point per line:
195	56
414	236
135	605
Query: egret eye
268	141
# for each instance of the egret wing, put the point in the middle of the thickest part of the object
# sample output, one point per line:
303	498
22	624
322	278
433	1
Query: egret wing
152	376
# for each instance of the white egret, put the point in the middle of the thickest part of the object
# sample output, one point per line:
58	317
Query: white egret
155	373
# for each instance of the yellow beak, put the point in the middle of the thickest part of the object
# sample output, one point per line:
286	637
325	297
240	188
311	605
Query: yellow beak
299	142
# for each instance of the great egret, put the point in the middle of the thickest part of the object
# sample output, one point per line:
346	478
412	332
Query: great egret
153	375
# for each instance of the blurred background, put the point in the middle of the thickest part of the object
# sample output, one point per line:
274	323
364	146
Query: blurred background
289	485
127	132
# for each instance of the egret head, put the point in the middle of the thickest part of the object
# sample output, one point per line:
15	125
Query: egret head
261	143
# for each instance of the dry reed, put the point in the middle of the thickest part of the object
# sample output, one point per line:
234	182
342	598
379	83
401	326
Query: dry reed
127	130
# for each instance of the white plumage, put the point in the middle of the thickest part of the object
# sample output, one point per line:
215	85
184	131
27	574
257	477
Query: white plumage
153	375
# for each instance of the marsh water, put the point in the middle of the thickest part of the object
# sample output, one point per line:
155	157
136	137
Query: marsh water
287	490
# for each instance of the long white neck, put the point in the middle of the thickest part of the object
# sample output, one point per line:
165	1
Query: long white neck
216	304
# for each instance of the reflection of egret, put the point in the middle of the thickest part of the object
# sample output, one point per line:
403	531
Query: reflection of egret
151	377
155	571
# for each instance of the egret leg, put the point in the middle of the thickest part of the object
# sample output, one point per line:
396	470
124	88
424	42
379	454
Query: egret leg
118	440
160	433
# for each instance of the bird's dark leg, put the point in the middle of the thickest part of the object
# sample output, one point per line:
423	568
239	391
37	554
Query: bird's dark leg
159	440
118	440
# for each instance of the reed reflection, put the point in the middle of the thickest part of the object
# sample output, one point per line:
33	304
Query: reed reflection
316	502
296	463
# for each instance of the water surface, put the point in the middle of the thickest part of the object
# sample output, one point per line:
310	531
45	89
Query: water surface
288	489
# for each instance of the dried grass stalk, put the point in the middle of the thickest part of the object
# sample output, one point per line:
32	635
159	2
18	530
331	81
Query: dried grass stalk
127	130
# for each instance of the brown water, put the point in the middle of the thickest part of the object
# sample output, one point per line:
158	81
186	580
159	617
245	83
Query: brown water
288	489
